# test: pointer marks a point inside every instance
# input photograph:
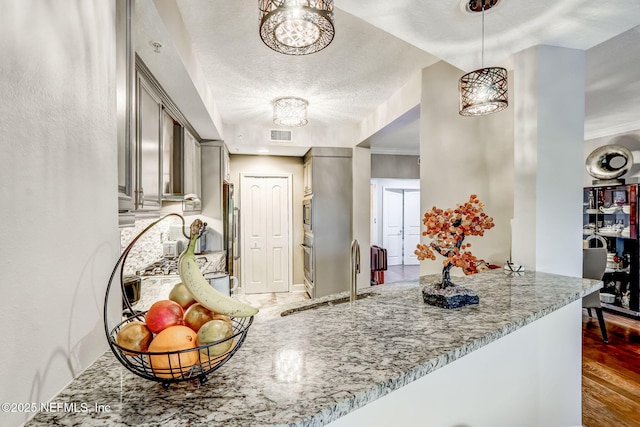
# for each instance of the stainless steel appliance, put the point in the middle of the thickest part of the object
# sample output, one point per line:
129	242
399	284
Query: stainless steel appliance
229	229
306	215
307	246
171	248
132	286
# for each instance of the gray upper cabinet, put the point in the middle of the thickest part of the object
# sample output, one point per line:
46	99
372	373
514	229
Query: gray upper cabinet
125	72
192	165
215	155
168	150
149	119
307	176
158	149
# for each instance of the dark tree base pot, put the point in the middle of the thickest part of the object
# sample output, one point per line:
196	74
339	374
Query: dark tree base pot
450	297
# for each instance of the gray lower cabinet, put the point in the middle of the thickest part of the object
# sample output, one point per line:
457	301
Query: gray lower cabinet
331	214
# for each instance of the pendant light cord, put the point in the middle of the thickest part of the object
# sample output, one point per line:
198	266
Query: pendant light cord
482	55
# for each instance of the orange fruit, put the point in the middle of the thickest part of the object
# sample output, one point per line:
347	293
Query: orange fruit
174	365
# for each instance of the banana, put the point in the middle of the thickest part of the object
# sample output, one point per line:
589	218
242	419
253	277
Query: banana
198	286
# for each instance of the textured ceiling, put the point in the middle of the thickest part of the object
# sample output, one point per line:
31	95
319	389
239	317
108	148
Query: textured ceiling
378	46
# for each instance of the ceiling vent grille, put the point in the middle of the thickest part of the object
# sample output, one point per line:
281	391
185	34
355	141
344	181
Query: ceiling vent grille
280	135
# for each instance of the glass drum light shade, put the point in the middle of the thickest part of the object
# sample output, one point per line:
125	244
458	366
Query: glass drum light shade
483	91
290	112
296	27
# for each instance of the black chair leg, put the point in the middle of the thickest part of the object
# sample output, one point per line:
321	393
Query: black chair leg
589	311
603	327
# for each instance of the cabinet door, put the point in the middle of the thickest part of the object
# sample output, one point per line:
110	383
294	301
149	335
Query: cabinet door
192	179
197	168
171	168
226	169
124	101
306	177
149	119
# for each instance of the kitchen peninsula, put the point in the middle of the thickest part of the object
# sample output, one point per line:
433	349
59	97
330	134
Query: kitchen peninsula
389	359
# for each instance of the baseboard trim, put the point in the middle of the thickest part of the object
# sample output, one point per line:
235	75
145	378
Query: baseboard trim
297	287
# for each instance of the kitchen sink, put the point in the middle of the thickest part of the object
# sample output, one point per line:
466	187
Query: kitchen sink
335	301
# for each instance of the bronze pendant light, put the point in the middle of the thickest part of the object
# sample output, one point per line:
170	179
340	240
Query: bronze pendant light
485	90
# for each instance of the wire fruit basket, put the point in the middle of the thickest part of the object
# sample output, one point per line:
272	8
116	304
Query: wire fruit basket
170	366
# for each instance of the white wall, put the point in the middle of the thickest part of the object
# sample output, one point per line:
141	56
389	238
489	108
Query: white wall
394	166
403	100
460	156
58	171
549	144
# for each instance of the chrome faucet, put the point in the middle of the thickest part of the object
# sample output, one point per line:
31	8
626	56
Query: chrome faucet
355	269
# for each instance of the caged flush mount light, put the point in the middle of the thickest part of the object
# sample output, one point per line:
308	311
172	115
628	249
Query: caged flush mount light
296	27
483	91
290	111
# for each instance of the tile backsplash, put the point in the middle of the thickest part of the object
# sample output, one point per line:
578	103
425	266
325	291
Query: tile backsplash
149	247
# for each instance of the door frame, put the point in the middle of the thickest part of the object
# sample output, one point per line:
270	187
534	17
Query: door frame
378	187
407	253
386	203
243	178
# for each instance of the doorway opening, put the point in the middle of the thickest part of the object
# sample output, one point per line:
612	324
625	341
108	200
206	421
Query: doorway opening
395	225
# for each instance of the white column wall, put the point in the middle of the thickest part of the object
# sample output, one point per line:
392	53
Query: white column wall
460	156
58	169
549	144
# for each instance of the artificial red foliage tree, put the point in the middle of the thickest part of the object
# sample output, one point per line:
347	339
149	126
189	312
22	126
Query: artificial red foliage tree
447	229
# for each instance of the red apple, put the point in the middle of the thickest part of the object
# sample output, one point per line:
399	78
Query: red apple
162	314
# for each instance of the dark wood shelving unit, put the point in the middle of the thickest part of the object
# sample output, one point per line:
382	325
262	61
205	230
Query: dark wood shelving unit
610	215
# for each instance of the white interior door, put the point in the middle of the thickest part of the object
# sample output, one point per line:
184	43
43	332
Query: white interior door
392	217
266	243
411	228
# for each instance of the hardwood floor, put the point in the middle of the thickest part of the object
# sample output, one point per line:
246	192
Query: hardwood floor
611	372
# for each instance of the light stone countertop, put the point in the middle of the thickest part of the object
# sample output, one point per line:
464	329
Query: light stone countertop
314	366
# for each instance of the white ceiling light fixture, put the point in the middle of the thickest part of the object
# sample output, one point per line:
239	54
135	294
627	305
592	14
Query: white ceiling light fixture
483	91
290	111
296	27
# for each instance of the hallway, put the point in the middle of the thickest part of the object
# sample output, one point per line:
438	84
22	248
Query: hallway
401	273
